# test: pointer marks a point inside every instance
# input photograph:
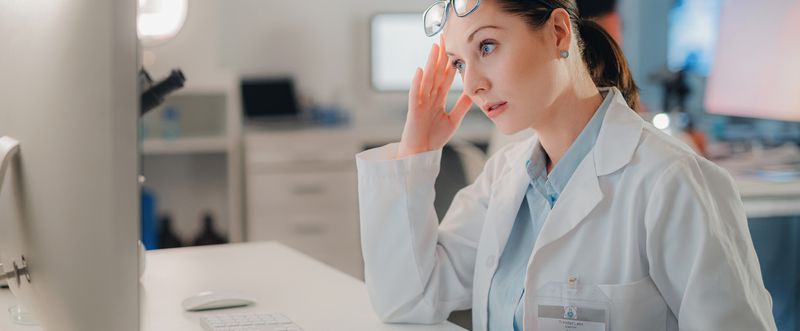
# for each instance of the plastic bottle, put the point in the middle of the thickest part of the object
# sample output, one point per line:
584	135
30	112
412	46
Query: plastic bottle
148	215
170	128
209	236
166	236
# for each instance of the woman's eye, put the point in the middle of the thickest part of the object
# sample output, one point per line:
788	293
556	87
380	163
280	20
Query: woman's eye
459	66
487	47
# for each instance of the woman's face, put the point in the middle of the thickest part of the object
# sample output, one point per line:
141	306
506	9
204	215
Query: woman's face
503	61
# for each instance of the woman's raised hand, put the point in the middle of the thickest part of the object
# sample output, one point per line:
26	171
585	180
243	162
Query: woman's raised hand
428	125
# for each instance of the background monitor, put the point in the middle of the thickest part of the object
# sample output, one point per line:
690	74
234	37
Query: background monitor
70	201
398	45
692	35
756	71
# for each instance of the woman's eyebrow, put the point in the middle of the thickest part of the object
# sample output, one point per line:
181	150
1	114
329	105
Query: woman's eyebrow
472	35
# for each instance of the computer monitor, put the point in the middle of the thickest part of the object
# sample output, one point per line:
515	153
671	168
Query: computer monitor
269	98
69	201
756	72
398	46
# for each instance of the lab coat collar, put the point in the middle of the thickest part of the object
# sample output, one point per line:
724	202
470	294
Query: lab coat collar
619	136
616	143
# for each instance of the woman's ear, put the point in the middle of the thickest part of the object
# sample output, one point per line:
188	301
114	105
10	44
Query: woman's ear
562	29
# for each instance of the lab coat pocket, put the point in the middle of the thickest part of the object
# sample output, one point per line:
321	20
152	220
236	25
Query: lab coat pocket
636	306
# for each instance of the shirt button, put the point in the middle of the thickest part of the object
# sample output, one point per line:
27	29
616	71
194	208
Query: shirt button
490	260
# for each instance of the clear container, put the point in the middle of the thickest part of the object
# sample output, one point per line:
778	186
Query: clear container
170	123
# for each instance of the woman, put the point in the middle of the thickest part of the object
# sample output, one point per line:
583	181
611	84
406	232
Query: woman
600	222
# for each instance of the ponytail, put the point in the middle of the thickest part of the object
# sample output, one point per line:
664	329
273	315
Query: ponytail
605	61
602	55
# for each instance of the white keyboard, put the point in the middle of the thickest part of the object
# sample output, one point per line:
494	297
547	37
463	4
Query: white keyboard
249	322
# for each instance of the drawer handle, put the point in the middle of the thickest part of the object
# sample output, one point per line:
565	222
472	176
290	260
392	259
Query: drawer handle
308	189
309	229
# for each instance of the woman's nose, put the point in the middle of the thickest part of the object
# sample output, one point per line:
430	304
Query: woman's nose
475	82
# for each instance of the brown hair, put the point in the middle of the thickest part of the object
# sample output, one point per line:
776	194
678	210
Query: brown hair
603	56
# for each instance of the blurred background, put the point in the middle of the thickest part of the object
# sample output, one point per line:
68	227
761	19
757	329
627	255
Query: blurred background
280	95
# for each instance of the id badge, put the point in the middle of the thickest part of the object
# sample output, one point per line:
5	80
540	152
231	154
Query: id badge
572	306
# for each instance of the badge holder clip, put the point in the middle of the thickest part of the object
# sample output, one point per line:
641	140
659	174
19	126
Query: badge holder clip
572	306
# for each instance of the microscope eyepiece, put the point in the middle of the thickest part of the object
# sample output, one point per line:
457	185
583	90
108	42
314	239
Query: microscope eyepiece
154	94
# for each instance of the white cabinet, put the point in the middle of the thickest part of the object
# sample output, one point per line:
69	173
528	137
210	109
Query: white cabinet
301	190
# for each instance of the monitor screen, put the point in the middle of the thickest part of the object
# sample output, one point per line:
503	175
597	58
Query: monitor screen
398	46
269	97
692	35
756	72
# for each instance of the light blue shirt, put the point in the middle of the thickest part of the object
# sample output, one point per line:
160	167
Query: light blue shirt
508	284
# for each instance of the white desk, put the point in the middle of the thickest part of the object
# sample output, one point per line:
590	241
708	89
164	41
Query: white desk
762	198
313	295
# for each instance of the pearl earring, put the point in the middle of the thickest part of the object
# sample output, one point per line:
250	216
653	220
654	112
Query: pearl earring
565	54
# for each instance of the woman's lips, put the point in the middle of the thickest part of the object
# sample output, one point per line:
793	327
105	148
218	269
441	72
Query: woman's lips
496	110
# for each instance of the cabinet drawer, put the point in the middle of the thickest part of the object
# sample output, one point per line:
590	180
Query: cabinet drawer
320	191
300	147
276	224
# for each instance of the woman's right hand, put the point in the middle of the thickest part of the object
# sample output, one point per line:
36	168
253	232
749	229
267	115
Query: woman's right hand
428	125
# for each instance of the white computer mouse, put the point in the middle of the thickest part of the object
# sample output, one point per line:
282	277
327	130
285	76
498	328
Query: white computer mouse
216	300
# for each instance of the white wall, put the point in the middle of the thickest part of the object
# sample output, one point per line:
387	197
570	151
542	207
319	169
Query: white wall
323	44
195	49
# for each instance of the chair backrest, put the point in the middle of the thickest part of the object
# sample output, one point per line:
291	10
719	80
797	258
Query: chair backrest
472	158
462	162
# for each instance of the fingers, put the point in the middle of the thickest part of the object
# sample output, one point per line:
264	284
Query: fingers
413	94
444	87
429	73
461	108
441	67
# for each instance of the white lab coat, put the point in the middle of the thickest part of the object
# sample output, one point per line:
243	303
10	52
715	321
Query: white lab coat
660	230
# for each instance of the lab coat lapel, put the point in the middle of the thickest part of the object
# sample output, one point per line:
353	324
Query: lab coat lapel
580	196
616	143
509	200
